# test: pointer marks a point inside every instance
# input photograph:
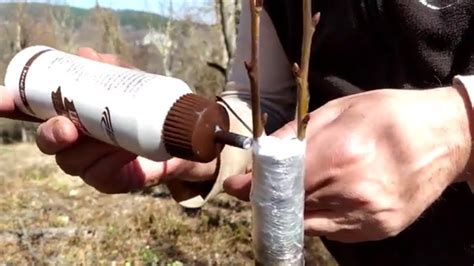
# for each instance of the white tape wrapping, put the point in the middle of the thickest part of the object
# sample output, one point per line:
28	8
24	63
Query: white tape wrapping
277	199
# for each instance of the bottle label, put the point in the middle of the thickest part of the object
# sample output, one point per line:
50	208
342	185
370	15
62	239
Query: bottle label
65	107
23	75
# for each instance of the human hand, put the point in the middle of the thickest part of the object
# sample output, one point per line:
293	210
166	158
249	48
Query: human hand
107	168
375	161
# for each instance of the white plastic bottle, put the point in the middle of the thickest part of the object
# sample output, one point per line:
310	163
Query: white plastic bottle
122	107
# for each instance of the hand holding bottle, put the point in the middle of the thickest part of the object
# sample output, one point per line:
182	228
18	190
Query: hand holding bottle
108	168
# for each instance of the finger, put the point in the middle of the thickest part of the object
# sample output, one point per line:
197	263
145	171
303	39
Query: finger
111	59
80	156
164	171
313	204
174	170
88	53
239	186
191	171
334	226
114	60
288	130
320	223
9	110
111	175
155	173
56	135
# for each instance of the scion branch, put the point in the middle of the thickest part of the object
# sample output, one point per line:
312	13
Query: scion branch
302	72
256	7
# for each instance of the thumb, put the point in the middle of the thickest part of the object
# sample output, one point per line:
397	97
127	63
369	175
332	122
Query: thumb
239	186
56	135
7	105
8	108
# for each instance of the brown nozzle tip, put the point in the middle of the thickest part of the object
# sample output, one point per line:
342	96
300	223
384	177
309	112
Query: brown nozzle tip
190	128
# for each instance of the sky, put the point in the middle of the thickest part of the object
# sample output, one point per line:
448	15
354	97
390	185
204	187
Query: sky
180	7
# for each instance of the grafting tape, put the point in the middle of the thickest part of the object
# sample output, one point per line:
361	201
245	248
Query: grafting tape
277	199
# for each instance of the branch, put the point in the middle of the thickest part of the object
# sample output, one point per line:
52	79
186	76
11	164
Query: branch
225	28
26	241
256	7
218	67
302	73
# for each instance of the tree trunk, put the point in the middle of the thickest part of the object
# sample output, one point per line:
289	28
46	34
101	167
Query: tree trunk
228	13
20	35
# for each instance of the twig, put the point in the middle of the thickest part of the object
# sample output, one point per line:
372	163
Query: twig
216	66
302	73
26	241
256	7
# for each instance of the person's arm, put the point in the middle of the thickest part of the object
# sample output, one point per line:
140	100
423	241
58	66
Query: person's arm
278	101
467	83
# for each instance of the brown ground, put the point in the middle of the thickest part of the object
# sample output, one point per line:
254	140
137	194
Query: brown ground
49	218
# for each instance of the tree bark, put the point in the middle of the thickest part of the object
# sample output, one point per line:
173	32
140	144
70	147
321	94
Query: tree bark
228	13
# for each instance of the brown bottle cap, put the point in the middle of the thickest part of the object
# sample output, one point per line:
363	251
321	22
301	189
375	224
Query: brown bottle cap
190	128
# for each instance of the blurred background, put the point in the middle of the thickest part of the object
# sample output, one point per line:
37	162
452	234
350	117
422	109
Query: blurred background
49	218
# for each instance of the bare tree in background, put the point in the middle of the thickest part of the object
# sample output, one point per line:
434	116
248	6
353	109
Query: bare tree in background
21	37
110	31
228	12
62	23
14	37
163	40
